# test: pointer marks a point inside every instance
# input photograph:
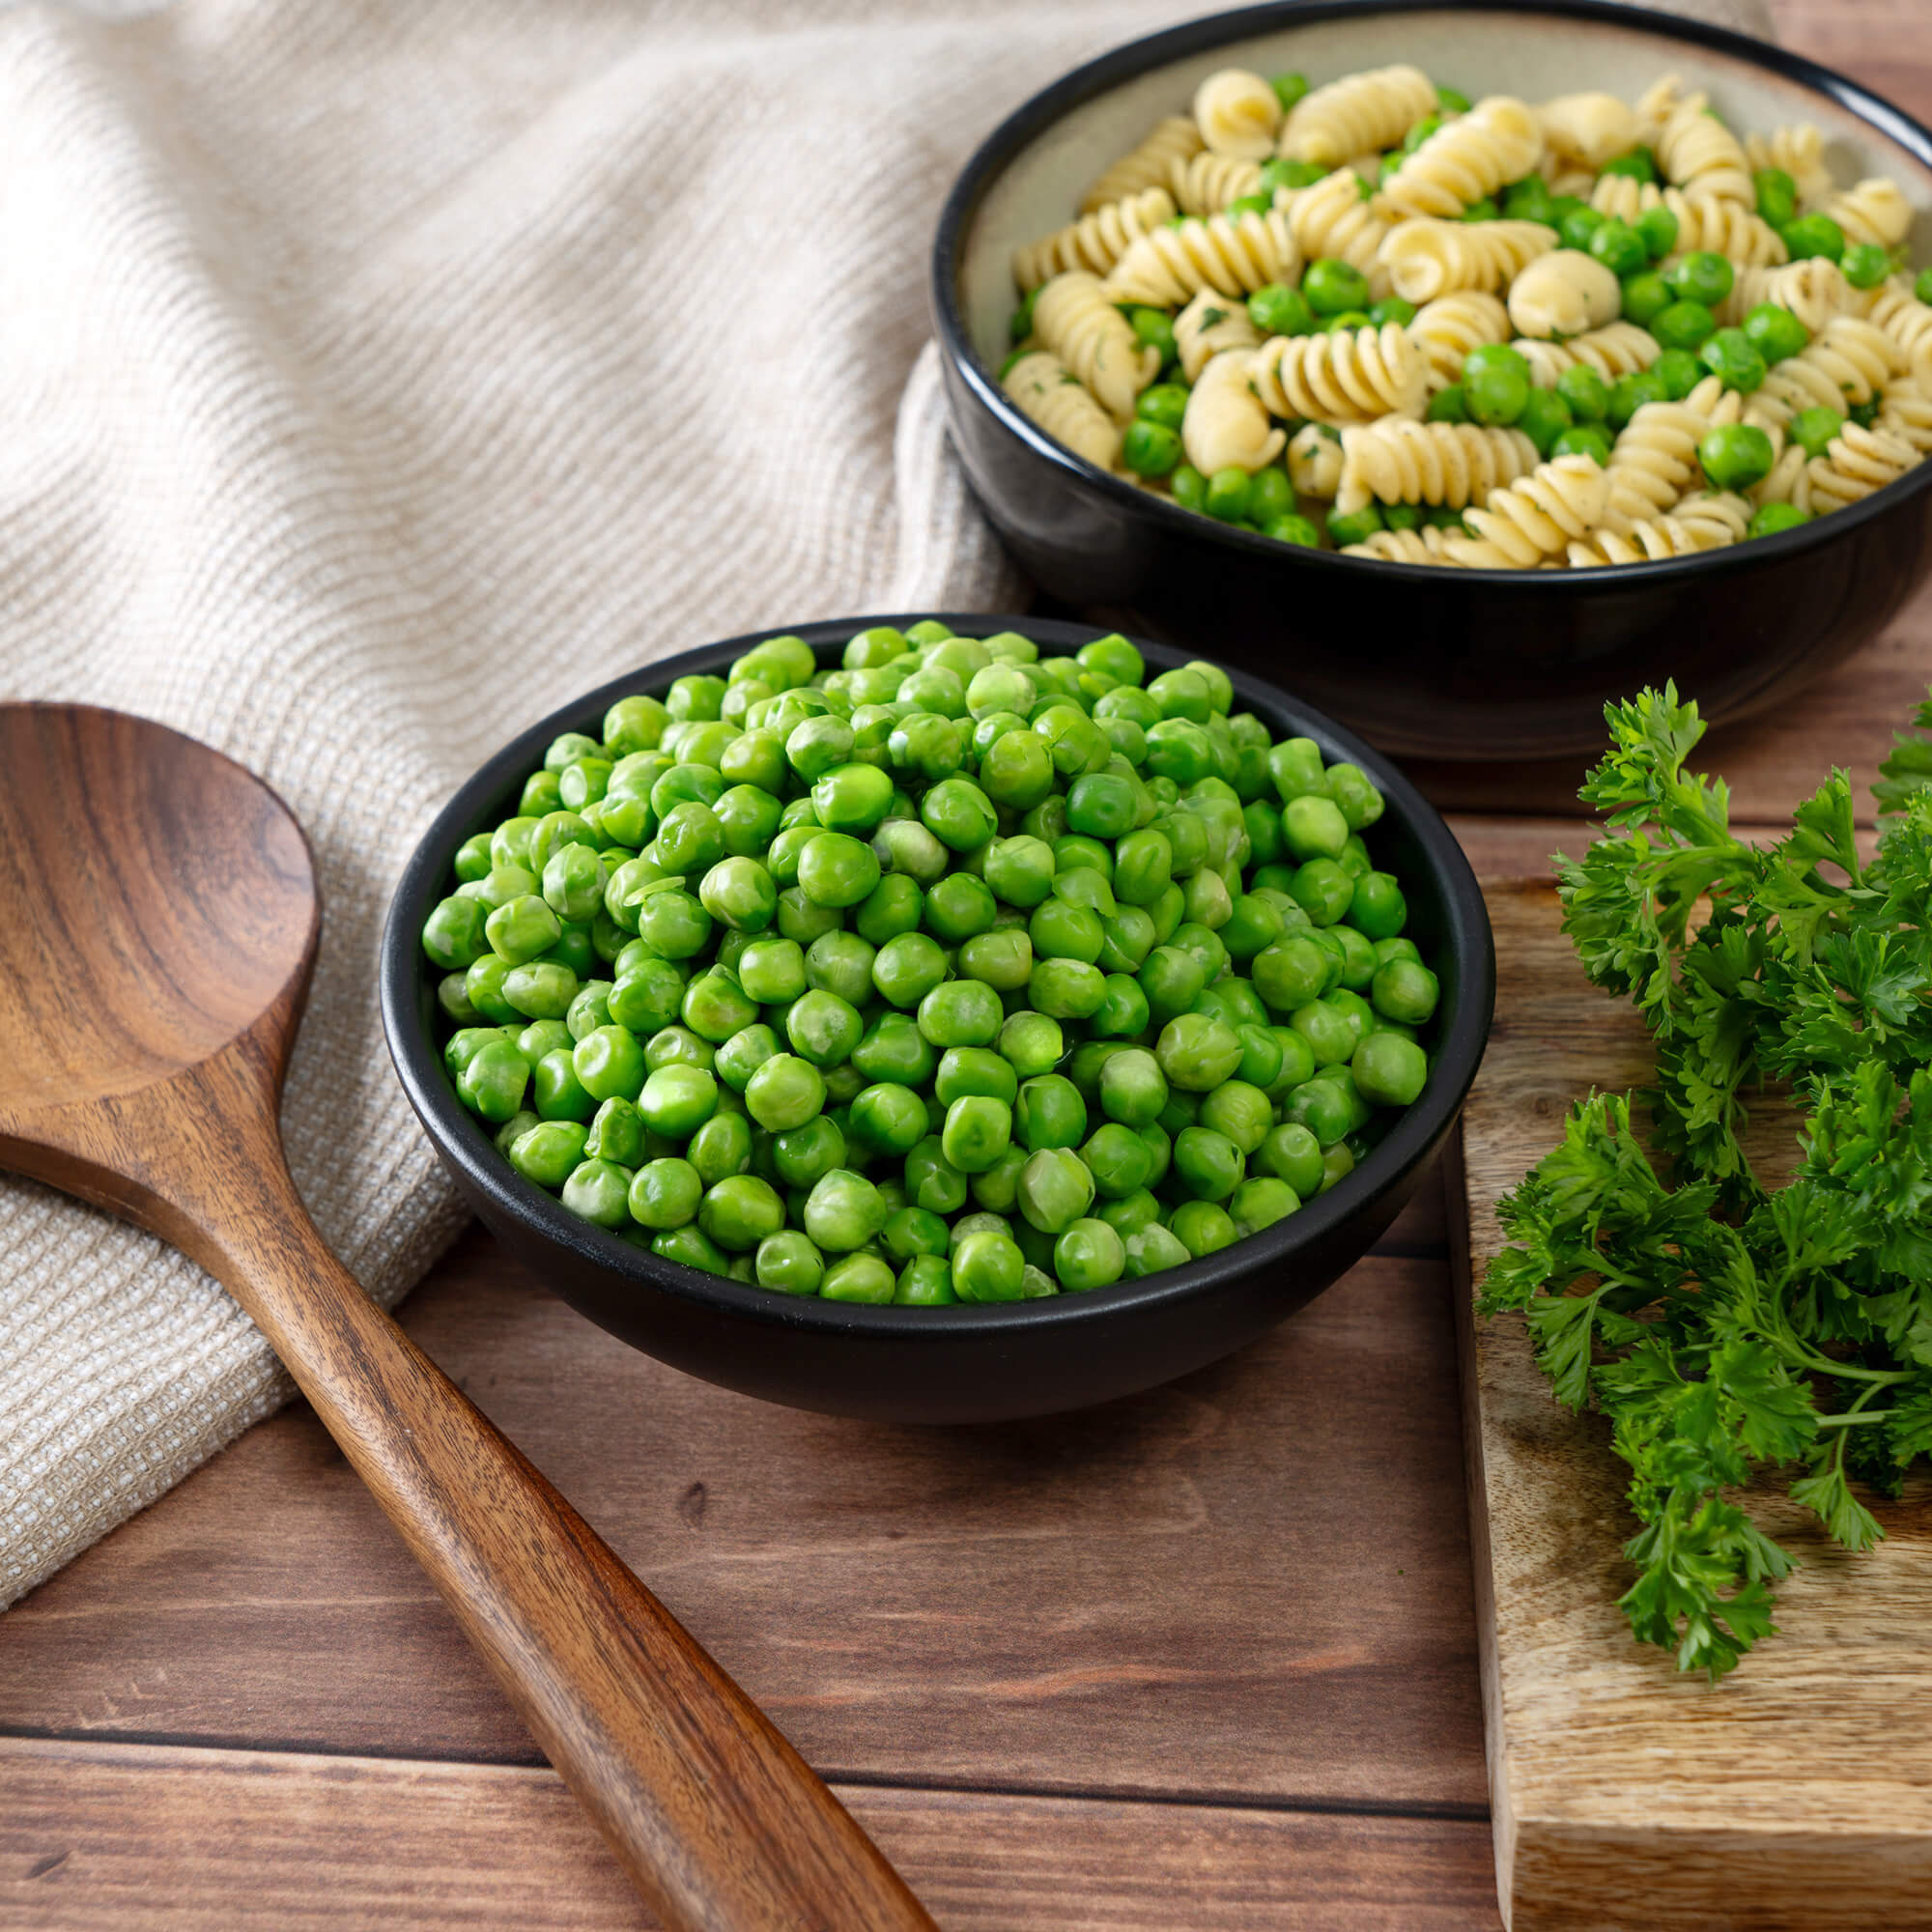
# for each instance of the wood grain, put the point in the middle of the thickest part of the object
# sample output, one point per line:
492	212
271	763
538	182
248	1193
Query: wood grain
120	1838
1797	1794
1254	1583
177	889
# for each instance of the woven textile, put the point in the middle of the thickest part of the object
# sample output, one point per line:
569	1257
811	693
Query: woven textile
377	376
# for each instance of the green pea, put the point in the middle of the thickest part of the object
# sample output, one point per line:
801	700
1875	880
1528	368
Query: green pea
1921	287
1353	526
1629	393
1189	487
987	1266
1495	394
1449	403
1775	332
860	1278
1294	529
790	1263
961	1012
1773	517
1230	492
1731	355
1292	1153
1151	1250
1089	1254
1261	1203
1776	196
1585	440
836	870
1866	265
550	1152
1645	297
1814	235
1405	991
1203	1228
1736	455
1621	248
1276	310
1544	417
1685	325
1576	224
1032	1043
785	1092
1055	1190
1163	404
844	1210
740	1212
1330	287
822	1029
1151	450
1585	392
1289	89
1657	229
1197	1052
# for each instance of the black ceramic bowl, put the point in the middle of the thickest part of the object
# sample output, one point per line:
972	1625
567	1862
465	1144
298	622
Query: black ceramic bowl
1422	660
958	1364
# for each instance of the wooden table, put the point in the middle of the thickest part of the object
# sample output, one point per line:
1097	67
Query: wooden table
1201	1659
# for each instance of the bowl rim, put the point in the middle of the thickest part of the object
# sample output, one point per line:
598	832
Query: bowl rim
462	1141
1097	76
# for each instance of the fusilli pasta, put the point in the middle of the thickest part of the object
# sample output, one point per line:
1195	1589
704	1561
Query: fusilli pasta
1367	111
1237	113
1699	523
1315	461
1848	362
1907	413
1148	165
1233	254
1617	349
1418	546
1564	293
1857	462
1330	218
1654	459
1224	426
1722	227
1209	324
1349	376
1096	241
1402	461
1534	517
1874	211
1075	319
1908	321
1426	258
1467	160
1800	152
1048	391
1448	327
1813	289
1584	131
1701	156
1205	183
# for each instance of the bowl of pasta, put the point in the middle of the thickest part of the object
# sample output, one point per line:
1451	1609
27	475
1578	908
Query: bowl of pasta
1481	364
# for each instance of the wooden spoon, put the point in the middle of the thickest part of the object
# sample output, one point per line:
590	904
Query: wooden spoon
159	922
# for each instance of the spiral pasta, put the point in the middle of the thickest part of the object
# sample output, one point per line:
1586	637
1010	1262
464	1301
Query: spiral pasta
1075	319
1224	426
1373	109
1908	414
1174	140
1349	376
1209	324
1800	152
1564	293
1584	131
1205	183
1722	227
1858	462
1699	523
1654	107
1402	461
1237	113
1908	321
1849	361
1536	517
1330	218
1096	241
1701	156
1448	327
1048	391
1874	211
1617	349
1315	461
1425	257
1654	459
1424	545
1813	289
1235	255
1467	160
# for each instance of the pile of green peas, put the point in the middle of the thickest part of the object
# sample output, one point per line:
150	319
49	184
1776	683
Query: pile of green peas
956	973
1675	300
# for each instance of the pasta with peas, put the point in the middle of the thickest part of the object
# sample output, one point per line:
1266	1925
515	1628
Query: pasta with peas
1368	315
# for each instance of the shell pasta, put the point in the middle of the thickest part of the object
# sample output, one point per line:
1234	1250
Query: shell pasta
1365	313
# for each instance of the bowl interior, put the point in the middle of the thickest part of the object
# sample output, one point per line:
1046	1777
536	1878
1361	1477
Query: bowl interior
1447	918
1534	54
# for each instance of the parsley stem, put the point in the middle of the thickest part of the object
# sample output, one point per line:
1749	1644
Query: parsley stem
1850	1416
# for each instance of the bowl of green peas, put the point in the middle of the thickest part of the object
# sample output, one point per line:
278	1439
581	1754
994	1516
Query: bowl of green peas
937	1019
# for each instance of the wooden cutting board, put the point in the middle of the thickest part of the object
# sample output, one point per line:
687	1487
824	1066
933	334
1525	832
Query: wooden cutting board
1797	1794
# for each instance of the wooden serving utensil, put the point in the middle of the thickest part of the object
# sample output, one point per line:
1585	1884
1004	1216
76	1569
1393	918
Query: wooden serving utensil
161	920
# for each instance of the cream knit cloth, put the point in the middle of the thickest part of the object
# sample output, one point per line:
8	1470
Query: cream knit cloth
378	372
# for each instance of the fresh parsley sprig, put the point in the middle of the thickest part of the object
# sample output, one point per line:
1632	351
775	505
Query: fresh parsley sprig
1723	1324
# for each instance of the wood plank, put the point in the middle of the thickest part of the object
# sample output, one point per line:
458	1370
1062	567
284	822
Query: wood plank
117	1838
1252	1583
1797	1794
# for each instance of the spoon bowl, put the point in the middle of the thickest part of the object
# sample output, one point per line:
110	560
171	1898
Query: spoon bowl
161	921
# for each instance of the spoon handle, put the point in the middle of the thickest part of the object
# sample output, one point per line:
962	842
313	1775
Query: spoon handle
719	1822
